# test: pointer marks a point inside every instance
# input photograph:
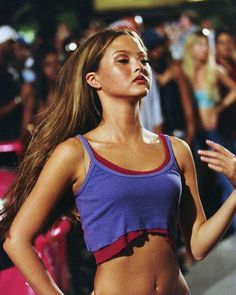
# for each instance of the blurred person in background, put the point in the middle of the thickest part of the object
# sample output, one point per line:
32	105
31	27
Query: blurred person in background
224	57
63	31
16	101
22	62
182	29
204	76
175	95
47	67
150	109
208	29
11	103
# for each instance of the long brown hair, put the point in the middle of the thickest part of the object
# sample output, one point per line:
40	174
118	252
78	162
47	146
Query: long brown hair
76	110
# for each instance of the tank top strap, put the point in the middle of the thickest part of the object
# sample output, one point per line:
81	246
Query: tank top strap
86	146
169	147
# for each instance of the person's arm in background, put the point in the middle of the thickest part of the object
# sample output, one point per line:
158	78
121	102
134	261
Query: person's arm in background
230	97
220	159
7	108
186	101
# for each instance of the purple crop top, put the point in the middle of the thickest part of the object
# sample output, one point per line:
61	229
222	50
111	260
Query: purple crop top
117	205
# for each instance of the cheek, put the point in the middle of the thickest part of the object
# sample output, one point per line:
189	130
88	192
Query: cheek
114	76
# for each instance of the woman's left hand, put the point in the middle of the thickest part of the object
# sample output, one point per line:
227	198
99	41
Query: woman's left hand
220	159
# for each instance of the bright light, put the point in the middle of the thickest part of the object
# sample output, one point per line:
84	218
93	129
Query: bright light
71	46
29	62
206	32
138	19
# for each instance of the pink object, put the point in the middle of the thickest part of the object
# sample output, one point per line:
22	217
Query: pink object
15	146
52	249
6	179
13	283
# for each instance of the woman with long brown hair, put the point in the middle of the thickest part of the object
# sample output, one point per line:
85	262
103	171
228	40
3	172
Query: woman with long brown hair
126	181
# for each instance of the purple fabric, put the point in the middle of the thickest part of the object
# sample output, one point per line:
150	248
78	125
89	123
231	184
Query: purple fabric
112	204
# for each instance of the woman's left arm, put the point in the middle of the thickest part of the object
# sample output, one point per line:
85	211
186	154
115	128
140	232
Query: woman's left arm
186	102
200	235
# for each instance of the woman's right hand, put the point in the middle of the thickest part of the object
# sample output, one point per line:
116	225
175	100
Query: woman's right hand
220	159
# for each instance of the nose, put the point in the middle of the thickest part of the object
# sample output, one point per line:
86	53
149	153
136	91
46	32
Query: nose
138	65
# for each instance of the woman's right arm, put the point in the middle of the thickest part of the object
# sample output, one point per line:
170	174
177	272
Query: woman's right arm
58	174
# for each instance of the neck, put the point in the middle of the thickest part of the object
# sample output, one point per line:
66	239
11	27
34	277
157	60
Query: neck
199	64
122	121
224	60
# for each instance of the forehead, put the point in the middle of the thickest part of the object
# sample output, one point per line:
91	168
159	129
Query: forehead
125	43
201	40
224	36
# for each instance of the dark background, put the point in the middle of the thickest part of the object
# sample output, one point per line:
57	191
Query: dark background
43	15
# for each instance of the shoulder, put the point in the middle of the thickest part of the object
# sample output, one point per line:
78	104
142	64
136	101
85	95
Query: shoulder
69	152
181	151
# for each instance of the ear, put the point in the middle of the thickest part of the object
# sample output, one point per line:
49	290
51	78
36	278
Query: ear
92	80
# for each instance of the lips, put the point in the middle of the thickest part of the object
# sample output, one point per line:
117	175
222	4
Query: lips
140	79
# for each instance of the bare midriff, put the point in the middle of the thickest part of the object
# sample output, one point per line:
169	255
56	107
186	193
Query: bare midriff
208	118
148	266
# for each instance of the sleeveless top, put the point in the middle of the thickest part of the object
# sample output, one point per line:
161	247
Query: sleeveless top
117	205
203	100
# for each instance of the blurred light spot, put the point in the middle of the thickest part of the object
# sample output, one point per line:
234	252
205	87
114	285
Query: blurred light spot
138	19
71	46
29	62
206	32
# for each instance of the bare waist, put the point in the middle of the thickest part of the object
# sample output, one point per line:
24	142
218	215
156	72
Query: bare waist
147	267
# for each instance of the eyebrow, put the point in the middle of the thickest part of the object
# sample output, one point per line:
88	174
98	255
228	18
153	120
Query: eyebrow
127	51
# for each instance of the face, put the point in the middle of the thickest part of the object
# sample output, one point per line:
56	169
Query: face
51	66
21	52
224	45
184	22
157	53
200	49
124	70
8	50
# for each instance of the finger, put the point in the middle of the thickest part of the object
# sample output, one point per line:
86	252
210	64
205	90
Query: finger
218	147
215	168
212	154
213	161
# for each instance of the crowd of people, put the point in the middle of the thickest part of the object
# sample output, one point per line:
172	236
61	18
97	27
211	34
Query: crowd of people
192	96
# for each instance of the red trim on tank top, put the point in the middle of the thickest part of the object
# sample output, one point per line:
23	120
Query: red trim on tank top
116	247
117	168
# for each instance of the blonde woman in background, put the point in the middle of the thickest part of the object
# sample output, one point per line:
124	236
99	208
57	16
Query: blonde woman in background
204	76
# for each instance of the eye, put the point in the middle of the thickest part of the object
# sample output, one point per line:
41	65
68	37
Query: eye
123	60
144	61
